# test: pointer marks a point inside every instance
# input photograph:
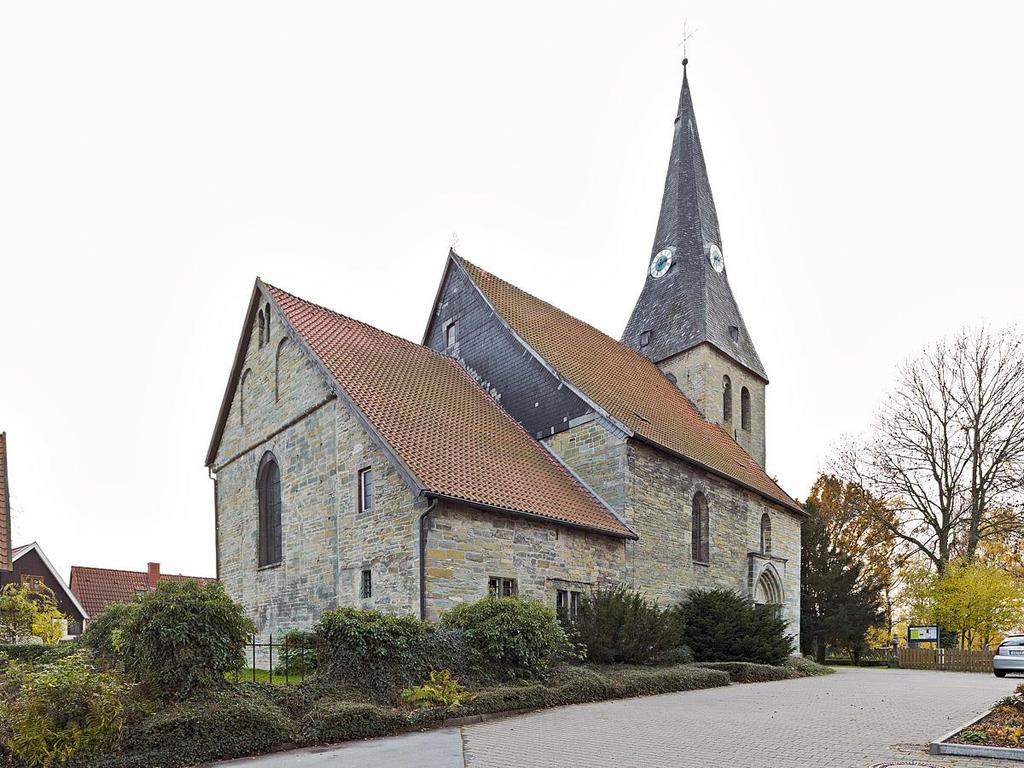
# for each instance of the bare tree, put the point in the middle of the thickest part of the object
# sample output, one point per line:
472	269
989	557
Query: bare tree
947	450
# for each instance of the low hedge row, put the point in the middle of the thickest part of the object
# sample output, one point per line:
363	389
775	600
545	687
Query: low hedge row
747	672
808	667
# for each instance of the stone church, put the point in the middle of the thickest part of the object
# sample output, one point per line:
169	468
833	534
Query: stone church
515	451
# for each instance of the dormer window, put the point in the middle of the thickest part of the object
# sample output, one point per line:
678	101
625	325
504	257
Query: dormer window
451	333
645	338
734	333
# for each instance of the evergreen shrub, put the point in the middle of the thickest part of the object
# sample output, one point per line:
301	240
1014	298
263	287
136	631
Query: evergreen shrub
722	625
621	626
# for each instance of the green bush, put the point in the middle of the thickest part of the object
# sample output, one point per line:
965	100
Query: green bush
747	672
681	654
343	720
184	638
650	681
62	709
508	638
381	654
508	699
621	626
297	654
721	625
105	632
441	690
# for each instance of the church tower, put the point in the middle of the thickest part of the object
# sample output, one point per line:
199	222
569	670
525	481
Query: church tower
686	320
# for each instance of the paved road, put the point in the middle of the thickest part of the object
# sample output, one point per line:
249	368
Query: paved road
853	719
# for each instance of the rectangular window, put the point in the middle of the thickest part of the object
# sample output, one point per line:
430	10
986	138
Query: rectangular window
499	587
645	338
567	603
366	586
451	333
35	584
365	489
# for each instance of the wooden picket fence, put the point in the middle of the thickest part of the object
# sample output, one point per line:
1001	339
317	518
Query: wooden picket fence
945	659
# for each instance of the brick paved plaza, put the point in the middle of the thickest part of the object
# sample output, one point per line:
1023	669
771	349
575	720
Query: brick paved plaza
853	719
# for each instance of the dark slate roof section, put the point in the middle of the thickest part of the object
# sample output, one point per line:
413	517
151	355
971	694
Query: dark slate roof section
6	556
692	303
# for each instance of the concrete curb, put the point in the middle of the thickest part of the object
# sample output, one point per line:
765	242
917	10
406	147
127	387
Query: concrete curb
943	746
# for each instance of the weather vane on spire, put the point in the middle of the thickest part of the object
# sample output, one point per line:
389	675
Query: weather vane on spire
687	34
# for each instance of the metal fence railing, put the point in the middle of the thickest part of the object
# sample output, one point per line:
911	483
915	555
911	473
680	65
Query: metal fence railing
286	661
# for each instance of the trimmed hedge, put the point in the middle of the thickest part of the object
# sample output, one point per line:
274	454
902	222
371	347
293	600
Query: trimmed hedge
345	720
747	672
222	724
36	653
380	654
808	667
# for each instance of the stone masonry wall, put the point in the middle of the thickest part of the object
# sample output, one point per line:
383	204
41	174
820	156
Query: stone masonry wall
660	491
699	374
598	456
326	544
465	547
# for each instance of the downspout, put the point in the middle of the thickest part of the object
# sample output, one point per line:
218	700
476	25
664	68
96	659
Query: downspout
216	524
424	524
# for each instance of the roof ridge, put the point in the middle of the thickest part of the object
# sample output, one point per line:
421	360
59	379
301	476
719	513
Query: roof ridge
351	319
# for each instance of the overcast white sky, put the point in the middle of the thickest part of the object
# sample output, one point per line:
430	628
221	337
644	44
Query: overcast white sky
155	158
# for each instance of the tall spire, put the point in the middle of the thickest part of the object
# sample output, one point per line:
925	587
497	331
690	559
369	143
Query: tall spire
686	299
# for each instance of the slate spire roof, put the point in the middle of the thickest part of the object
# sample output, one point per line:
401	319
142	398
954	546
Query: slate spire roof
692	303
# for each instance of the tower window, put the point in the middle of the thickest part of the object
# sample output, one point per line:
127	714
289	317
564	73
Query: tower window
645	338
366	585
365	489
726	399
451	333
766	534
745	408
699	530
268	491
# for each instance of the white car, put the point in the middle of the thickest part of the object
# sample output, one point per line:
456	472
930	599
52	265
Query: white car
1009	656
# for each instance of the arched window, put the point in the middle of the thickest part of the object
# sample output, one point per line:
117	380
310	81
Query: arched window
260	323
766	534
244	394
266	320
701	550
277	369
268	492
726	399
745	408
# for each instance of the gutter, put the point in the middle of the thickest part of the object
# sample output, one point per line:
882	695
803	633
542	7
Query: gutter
423	528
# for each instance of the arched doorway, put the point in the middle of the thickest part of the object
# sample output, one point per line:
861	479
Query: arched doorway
768	590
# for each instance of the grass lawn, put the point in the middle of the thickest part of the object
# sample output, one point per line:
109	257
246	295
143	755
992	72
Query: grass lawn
262	676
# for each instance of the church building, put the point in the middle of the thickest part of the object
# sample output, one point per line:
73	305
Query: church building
515	451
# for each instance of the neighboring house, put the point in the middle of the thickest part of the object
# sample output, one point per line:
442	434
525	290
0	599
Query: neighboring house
96	588
518	450
6	558
32	568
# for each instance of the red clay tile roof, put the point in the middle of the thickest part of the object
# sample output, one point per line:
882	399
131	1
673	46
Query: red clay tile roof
96	588
6	560
454	439
624	383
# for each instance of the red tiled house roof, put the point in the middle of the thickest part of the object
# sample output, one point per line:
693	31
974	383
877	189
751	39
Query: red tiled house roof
6	561
624	384
96	588
443	430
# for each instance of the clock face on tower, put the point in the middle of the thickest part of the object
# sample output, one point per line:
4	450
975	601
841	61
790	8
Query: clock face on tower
715	257
661	263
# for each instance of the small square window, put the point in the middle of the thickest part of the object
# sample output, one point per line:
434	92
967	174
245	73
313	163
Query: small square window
366	586
451	333
567	603
365	489
645	338
499	587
